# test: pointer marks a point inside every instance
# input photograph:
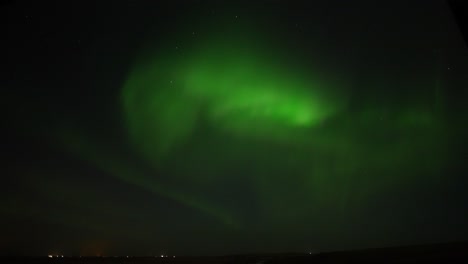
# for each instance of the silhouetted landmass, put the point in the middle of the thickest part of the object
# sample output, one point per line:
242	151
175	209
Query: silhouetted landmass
437	253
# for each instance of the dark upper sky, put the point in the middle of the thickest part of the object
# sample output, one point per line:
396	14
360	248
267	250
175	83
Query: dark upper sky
216	127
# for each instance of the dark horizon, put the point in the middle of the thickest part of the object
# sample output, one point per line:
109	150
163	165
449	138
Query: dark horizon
432	251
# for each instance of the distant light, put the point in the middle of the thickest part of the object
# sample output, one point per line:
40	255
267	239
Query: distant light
310	253
127	256
173	256
62	256
50	256
162	256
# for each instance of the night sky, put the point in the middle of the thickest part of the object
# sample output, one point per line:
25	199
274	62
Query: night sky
221	127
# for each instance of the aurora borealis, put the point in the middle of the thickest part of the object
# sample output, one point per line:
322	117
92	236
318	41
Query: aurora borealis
216	128
228	85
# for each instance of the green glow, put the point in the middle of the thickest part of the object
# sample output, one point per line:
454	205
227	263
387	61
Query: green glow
223	103
236	90
273	131
238	110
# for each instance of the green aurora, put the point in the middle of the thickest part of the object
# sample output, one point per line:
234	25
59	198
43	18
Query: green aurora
231	111
223	127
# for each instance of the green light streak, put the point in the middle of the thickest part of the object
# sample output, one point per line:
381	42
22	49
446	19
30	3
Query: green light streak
114	164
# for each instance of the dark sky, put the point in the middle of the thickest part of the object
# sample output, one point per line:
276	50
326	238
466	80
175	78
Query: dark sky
218	127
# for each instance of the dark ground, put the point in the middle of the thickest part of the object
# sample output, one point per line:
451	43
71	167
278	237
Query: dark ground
438	253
